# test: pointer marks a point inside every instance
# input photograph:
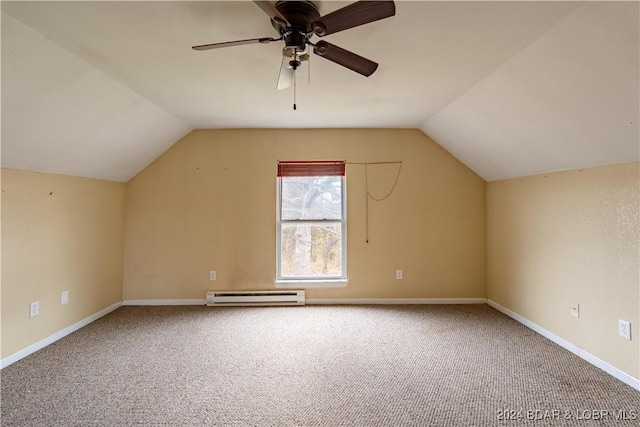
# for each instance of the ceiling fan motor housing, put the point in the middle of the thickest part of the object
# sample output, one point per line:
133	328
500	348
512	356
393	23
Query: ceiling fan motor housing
300	14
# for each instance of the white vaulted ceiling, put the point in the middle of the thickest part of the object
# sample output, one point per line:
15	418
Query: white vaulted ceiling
100	89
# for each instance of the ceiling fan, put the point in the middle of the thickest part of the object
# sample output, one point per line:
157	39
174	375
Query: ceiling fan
298	21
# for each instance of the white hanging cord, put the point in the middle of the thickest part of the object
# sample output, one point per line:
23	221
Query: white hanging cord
368	194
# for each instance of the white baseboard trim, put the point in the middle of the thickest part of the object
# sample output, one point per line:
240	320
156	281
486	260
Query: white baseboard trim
393	301
55	337
164	302
325	301
599	363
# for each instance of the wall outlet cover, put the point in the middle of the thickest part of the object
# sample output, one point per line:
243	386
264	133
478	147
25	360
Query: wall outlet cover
212	275
34	308
624	329
574	309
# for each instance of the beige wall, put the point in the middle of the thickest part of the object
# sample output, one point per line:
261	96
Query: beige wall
570	237
533	245
58	233
209	203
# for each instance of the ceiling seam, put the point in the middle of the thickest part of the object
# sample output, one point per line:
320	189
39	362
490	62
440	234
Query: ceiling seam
99	70
425	124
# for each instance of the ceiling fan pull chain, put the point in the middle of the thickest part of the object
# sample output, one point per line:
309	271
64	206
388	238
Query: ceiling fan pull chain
295	65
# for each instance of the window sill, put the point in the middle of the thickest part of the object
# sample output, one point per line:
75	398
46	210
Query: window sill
298	283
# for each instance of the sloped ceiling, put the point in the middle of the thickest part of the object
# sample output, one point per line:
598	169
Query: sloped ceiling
100	89
567	101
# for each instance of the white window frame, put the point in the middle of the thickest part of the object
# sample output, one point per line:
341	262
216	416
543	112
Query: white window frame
311	281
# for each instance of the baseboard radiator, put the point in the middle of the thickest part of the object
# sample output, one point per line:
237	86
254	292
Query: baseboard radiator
254	298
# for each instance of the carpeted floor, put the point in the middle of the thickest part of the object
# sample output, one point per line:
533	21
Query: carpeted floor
442	365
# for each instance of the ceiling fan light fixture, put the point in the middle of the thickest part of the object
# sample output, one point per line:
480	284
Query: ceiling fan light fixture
290	52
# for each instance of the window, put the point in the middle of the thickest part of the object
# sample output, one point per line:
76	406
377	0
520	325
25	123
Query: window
311	231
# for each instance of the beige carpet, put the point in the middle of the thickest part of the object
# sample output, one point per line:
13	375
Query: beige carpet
310	366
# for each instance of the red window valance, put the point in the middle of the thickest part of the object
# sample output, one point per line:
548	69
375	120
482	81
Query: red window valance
311	168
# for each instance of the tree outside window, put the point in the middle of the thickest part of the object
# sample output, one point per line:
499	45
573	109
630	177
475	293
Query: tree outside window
311	226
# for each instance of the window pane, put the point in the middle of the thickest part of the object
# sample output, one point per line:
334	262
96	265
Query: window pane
315	197
311	249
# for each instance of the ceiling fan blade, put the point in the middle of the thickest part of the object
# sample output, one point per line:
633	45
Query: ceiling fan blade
355	14
285	78
270	9
234	43
345	58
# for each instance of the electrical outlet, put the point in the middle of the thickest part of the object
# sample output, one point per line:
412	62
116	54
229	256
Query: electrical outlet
34	308
212	275
574	308
64	298
624	329
399	274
